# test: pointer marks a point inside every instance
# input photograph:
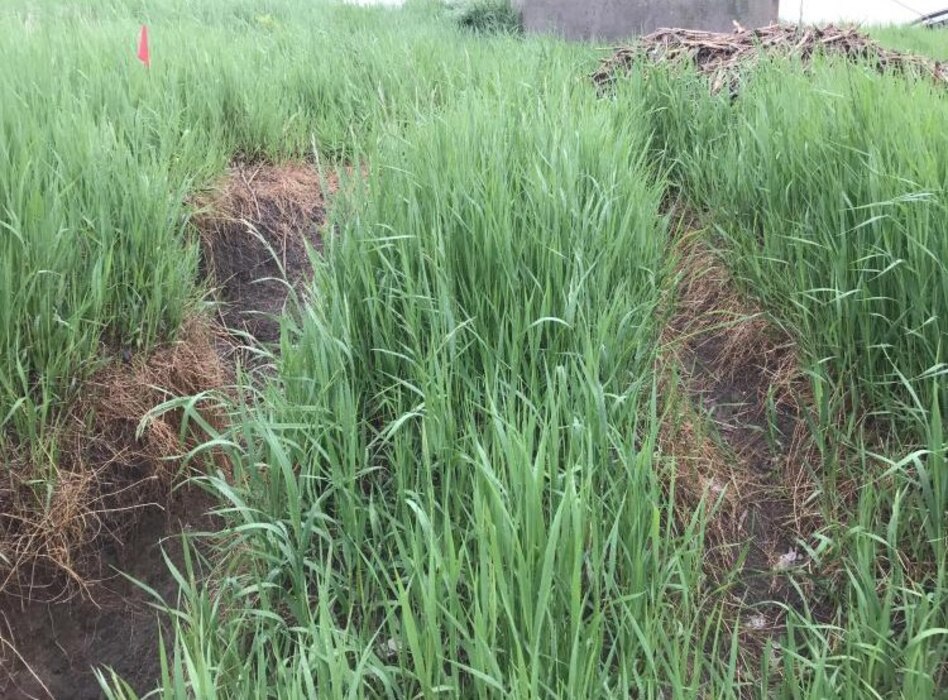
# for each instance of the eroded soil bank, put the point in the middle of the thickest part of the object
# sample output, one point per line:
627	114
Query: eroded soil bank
117	506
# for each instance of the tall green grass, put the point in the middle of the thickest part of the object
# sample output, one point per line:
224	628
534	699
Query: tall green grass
830	190
97	154
452	485
924	42
454	488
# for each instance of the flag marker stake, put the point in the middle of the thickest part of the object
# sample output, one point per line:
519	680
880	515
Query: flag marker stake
144	55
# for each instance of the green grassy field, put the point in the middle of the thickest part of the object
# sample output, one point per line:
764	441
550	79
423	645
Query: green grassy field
454	483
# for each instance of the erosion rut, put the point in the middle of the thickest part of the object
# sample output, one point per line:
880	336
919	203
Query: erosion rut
746	444
255	229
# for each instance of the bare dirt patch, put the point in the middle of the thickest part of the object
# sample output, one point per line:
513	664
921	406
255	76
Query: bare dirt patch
50	649
256	227
740	439
110	465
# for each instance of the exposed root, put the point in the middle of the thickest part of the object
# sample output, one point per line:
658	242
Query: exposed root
255	227
104	472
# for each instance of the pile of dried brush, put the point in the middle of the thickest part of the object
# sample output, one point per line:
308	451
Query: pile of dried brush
723	56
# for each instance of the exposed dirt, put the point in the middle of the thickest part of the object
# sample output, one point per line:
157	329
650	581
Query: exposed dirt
255	227
740	438
50	650
111	466
64	609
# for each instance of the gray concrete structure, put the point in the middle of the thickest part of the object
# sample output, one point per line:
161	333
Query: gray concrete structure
616	19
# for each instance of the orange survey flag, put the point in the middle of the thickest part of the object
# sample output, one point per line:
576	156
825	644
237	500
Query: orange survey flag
143	55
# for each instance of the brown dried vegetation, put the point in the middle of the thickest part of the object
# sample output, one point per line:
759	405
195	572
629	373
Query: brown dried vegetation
111	462
740	440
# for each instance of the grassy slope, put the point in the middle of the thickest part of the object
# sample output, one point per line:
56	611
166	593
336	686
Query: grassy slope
460	491
830	189
913	40
476	505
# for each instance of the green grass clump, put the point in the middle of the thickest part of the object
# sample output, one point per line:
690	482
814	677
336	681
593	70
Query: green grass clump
98	155
832	196
461	452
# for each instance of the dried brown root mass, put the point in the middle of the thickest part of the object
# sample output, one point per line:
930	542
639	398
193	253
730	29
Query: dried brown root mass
256	225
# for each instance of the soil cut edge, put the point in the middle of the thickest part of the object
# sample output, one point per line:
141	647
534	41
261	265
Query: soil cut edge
116	504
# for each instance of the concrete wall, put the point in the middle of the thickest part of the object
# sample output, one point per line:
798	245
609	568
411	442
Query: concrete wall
616	19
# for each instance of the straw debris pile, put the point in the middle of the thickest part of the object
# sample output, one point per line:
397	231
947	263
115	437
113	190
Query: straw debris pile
724	56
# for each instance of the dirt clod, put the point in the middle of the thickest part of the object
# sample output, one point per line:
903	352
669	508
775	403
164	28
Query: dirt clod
50	649
111	461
